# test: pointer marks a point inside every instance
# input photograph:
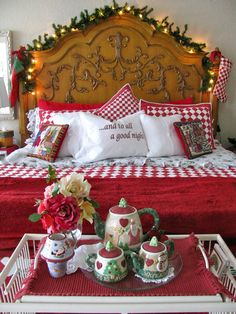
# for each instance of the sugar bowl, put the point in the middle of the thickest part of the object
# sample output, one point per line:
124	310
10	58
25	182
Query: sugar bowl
109	263
153	259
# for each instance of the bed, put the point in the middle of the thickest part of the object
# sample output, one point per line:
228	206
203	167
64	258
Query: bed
124	63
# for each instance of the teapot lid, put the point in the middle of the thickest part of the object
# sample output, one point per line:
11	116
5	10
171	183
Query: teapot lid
123	208
110	251
154	246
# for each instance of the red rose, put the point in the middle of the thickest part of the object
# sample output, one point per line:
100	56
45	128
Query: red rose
64	212
47	220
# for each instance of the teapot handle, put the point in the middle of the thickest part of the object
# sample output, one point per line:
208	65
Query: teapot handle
170	247
155	215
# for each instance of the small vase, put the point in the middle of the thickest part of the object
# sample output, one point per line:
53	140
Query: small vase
75	235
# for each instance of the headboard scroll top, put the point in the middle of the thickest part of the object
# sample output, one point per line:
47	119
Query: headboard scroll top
94	64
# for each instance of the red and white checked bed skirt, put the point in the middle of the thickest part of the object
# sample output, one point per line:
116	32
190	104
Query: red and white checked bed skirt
117	172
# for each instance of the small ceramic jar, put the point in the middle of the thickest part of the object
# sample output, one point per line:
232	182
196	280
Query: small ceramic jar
152	262
110	264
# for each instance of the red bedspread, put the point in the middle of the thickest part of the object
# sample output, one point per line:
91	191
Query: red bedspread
185	205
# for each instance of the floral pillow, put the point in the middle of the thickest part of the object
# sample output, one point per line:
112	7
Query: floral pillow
123	103
193	139
190	112
48	142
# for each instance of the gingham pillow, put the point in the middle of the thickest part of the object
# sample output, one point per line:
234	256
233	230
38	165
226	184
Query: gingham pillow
192	112
123	103
46	116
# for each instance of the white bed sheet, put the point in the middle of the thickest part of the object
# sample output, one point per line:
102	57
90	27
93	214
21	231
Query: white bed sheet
220	158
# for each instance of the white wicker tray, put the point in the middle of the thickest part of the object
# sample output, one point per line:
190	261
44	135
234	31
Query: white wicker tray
21	258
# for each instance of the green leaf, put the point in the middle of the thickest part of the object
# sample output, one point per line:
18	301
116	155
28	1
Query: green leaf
52	174
34	217
55	190
94	203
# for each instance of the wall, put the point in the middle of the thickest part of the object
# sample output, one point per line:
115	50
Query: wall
209	21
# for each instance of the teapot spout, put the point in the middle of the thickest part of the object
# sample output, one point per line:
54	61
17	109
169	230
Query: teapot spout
99	225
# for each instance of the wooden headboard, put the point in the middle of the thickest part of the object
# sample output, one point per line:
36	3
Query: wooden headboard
92	65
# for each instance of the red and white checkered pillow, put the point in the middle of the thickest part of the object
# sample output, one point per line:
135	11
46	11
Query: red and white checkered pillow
47	109
123	103
200	112
46	116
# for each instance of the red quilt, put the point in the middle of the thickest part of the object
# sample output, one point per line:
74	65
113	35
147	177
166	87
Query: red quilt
185	205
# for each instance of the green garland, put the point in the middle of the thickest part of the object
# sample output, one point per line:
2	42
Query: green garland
46	42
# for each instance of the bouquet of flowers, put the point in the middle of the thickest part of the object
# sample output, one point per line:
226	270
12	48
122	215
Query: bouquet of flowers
66	203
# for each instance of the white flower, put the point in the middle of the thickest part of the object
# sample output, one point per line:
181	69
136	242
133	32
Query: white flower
74	185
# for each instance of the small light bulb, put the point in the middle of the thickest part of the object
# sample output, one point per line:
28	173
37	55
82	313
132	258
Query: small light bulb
74	29
38	45
165	30
211	81
33	61
191	50
120	12
209	89
54	35
29	76
140	15
63	30
30	70
128	8
33	93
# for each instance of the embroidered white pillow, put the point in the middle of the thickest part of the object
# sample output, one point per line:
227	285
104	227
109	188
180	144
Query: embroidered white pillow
70	145
162	139
101	139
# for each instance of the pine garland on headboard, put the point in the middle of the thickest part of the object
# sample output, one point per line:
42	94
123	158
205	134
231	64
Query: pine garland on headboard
47	41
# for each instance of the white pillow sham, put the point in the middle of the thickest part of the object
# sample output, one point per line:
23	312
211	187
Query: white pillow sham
101	139
70	145
162	139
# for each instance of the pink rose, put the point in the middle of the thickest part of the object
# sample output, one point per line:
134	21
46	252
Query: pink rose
48	191
64	211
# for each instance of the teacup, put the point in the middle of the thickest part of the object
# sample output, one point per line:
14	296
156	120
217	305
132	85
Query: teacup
153	259
109	264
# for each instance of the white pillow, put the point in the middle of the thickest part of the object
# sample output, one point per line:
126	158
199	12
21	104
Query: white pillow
101	139
162	139
70	145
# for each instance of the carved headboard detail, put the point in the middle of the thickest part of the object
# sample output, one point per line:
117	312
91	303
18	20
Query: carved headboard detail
91	66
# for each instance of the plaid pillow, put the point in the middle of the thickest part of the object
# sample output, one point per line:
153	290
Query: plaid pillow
194	112
48	141
123	103
193	139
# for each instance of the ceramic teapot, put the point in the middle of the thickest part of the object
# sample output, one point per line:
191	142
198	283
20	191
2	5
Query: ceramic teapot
153	259
123	225
109	264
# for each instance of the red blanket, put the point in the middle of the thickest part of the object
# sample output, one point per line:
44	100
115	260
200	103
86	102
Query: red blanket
185	205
